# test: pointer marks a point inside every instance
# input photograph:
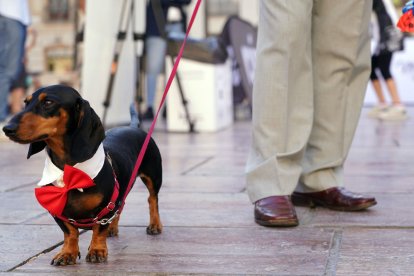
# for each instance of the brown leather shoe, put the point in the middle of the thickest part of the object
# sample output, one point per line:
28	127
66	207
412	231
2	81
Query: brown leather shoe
337	198
275	211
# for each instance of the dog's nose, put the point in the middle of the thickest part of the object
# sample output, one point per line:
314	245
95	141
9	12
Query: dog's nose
10	129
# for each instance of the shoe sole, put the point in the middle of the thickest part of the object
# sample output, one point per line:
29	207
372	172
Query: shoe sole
298	200
278	223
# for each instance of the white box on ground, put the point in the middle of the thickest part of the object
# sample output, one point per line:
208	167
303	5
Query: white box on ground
208	91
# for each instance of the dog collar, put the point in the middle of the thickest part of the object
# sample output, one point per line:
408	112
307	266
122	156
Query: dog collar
53	175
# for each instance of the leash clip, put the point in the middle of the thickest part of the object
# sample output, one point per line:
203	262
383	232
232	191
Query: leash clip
106	221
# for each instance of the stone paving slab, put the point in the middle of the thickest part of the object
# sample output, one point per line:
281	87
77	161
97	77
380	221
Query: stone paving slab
208	219
233	165
202	184
378	134
261	251
391	211
17	182
361	254
212	210
19	207
384	162
18	243
397	184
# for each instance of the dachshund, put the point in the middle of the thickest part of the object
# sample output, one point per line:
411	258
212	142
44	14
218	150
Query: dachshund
56	118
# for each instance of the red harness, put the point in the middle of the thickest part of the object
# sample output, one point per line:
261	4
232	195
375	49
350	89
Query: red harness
54	198
48	194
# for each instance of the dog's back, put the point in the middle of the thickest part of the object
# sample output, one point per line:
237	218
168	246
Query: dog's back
124	144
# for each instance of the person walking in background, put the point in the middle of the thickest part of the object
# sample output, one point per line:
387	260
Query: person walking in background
156	45
155	49
21	82
388	39
313	64
14	19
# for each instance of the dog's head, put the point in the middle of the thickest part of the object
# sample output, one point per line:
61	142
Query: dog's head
57	116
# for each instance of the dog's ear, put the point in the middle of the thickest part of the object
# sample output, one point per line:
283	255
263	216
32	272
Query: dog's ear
88	134
35	147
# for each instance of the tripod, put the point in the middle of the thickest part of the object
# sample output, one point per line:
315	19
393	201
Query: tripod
124	21
127	16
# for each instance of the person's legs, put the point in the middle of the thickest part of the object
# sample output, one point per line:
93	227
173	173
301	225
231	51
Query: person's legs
12	37
16	100
378	91
282	98
381	106
392	88
341	56
397	110
385	66
374	80
17	92
155	58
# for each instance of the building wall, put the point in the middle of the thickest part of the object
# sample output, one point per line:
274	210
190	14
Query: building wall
51	56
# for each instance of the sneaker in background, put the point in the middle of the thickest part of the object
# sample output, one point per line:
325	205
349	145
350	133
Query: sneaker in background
394	113
148	115
377	110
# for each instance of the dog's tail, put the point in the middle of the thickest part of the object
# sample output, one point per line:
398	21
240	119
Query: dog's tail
134	116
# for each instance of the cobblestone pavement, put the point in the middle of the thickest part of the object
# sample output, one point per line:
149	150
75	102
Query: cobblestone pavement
208	219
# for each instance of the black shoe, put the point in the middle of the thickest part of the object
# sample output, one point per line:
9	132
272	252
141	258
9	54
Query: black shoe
149	114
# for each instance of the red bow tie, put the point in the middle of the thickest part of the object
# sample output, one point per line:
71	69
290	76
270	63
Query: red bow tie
54	198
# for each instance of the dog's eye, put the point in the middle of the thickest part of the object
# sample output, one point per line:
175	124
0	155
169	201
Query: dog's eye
48	103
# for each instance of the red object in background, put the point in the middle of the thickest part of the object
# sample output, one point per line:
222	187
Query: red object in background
406	22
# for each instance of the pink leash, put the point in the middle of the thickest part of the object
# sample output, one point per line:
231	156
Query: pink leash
167	88
112	204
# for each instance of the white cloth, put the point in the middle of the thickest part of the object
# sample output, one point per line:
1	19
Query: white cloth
16	9
389	6
54	175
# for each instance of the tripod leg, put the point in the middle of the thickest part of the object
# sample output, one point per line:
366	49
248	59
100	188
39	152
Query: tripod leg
184	101
140	86
122	29
106	103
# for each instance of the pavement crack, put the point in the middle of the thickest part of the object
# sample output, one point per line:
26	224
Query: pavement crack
334	252
47	250
199	164
27	221
396	142
20	187
393	272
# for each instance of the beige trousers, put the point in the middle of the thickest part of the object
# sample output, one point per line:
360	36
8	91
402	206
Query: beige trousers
313	64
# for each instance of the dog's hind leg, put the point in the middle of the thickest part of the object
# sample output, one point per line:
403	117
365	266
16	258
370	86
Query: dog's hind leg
113	228
155	226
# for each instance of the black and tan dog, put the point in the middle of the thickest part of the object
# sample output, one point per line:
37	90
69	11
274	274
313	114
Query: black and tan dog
58	119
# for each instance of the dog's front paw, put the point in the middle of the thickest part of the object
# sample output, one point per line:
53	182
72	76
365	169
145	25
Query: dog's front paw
97	255
65	258
154	229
